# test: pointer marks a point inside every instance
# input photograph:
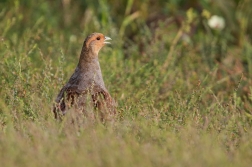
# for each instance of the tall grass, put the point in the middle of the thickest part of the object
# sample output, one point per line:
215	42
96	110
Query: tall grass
180	103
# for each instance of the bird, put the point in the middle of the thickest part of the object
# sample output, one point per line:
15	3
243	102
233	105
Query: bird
85	91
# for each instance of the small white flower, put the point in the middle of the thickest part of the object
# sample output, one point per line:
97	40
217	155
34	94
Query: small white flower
216	22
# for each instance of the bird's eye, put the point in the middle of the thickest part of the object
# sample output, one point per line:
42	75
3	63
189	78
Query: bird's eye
98	38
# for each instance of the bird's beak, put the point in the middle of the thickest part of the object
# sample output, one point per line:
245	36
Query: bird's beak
106	40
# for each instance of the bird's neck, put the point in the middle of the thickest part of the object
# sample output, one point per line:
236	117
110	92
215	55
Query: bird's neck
90	68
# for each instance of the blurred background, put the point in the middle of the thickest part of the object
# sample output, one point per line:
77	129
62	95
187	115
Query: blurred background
199	38
180	71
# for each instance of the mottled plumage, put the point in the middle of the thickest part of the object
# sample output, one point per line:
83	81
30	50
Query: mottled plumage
85	90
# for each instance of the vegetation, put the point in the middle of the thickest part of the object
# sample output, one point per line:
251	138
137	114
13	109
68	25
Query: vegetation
183	89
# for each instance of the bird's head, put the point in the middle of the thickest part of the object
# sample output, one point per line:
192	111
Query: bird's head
95	41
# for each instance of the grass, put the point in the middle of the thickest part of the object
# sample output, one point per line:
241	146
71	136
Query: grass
178	105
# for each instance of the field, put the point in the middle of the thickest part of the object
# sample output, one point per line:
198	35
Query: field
183	89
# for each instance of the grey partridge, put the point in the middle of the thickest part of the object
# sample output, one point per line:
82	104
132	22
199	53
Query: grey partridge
85	90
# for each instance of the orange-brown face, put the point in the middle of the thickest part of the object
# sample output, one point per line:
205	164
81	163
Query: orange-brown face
96	41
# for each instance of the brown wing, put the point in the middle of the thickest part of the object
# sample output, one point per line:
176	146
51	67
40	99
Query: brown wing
104	103
64	100
67	95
